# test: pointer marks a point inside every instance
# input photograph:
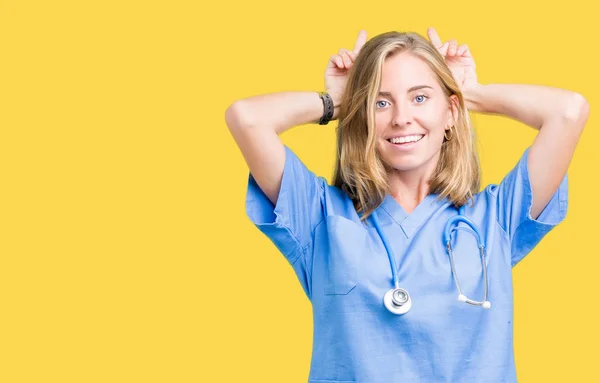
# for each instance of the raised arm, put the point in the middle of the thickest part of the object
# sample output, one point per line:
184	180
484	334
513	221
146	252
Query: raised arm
558	114
256	122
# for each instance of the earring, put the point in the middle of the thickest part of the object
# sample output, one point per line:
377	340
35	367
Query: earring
448	138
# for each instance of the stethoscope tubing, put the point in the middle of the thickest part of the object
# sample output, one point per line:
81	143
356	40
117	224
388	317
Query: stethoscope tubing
448	229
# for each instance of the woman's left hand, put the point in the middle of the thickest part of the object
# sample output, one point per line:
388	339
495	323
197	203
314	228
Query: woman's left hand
459	60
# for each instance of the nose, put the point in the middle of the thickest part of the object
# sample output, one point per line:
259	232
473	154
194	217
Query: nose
402	115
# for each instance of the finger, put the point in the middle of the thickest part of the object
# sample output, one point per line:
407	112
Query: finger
444	49
347	59
462	50
452	47
434	38
350	54
452	50
335	61
360	41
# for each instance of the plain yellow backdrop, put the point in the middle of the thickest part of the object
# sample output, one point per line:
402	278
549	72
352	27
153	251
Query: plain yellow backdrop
125	251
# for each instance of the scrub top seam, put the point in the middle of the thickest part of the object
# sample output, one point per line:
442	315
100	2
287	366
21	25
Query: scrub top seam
391	216
507	237
285	225
299	243
496	214
304	248
502	230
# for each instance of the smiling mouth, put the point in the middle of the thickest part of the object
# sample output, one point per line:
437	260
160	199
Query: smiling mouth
406	140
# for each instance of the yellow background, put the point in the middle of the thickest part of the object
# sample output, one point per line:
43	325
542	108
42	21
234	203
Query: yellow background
125	251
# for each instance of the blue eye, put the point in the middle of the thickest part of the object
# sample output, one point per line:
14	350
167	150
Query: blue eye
379	102
423	97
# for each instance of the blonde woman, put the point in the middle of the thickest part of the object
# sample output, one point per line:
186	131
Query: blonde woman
406	263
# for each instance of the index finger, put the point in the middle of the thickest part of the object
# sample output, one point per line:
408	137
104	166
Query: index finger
433	37
360	41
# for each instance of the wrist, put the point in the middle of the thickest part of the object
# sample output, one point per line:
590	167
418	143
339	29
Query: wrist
331	106
337	99
472	98
337	102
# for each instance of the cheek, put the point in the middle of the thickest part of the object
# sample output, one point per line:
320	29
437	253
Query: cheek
381	120
381	125
432	119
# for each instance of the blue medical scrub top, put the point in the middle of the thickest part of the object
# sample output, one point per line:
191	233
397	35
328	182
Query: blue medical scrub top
344	270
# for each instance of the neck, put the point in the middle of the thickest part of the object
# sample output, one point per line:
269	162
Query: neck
410	187
408	192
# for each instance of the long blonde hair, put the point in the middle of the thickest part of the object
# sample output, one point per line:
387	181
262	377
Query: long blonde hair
359	171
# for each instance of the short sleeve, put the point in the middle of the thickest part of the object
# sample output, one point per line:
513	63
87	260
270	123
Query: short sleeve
514	201
290	223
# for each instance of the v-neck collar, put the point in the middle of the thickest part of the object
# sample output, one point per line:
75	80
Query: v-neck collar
409	223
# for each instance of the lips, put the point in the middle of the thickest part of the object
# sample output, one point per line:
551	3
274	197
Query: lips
408	147
406	139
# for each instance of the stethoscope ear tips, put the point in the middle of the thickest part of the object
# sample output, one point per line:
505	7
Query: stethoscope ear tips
487	305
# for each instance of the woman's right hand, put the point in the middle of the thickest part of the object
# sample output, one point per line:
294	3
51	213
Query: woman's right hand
336	73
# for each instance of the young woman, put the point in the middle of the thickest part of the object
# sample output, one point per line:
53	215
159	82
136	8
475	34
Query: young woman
407	264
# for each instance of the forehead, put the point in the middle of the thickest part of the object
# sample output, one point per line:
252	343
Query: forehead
405	70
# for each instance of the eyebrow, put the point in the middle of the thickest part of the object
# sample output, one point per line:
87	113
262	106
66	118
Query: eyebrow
411	89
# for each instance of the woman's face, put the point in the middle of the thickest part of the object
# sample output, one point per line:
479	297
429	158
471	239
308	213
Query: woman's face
411	107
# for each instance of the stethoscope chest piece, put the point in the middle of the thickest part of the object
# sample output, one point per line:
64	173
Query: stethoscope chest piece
397	301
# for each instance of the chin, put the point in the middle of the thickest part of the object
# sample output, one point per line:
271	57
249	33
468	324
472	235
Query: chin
404	166
405	161
402	162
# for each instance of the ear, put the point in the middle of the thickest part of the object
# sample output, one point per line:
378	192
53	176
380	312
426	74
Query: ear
452	110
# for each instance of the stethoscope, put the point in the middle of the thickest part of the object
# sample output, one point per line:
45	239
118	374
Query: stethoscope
398	301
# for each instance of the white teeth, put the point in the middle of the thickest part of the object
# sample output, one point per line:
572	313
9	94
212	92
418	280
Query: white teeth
403	140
